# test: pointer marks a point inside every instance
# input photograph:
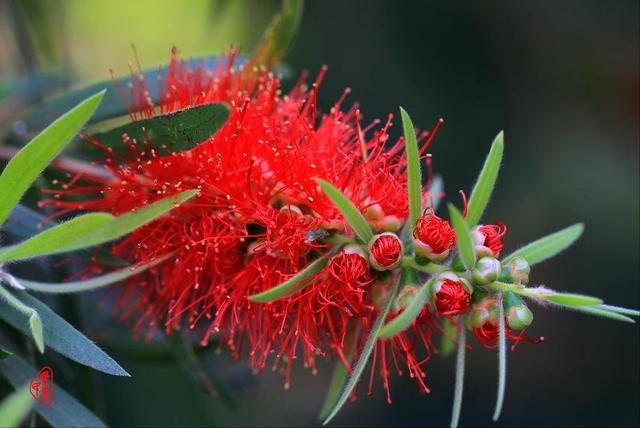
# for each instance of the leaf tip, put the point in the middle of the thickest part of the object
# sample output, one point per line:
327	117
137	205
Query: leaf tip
36	330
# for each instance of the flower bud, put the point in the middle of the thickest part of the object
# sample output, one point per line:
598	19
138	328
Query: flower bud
291	209
451	294
488	239
405	297
518	314
433	237
389	223
519	270
486	270
385	251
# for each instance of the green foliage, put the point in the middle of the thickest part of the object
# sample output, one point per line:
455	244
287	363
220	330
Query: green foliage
291	285
351	214
414	174
568	299
502	362
447	344
279	35
549	246
15	407
486	182
406	318
458	388
463	238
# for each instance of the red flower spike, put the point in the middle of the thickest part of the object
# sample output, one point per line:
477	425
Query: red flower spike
385	251
489	239
433	237
452	295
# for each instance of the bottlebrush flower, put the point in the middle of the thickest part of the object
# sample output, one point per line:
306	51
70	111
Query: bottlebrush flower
433	237
452	295
488	239
385	251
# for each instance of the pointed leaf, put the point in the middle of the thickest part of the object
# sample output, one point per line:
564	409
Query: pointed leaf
547	247
279	36
502	362
29	162
339	376
292	284
620	310
364	355
36	331
568	299
463	238
15	407
60	335
486	182
64	411
406	318
459	383
414	174
351	214
55	238
599	312
448	342
10	303
174	132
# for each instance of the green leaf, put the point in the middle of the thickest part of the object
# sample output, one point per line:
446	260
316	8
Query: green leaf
279	35
352	215
175	132
36	331
547	247
620	310
411	312
55	238
13	304
60	335
364	355
447	344
502	362
414	174
4	353
29	162
463	238
126	223
64	411
568	299
292	284
88	284
15	407
599	312
459	383
486	182
339	376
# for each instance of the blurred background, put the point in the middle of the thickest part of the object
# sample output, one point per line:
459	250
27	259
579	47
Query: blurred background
562	80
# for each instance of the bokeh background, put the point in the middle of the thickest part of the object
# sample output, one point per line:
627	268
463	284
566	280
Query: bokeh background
562	80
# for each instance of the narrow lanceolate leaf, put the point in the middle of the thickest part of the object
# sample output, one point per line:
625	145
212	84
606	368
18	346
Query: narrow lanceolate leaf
459	382
463	238
364	355
568	299
620	310
32	325
547	247
87	284
599	312
29	162
406	318
59	335
173	132
351	214
15	407
414	174
292	284
57	237
486	182
128	222
64	411
502	362
279	36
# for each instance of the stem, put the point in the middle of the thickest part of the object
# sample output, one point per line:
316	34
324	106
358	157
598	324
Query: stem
502	361
457	394
431	268
522	291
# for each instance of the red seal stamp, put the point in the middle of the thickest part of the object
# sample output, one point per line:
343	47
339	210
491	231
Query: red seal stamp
41	386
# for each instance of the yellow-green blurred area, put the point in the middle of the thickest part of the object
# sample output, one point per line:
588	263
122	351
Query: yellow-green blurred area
561	79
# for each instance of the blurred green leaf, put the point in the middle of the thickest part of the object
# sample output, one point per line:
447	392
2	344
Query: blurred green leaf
60	335
351	214
414	173
29	162
599	312
15	407
175	132
502	362
411	312
463	238
4	353
448	344
486	182
547	247
64	411
620	310
339	376
568	299
57	237
458	388
33	324
279	35
364	355
292	284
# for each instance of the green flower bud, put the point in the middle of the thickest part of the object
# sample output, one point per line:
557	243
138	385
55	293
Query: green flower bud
519	269
518	314
486	270
405	297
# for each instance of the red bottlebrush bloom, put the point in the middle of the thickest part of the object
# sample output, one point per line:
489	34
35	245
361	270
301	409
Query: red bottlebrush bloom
489	238
385	251
487	335
433	236
452	295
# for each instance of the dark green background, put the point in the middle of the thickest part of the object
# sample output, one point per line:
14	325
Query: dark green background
561	78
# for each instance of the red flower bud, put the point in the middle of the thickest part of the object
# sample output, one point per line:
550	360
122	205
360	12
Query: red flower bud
452	295
385	251
351	267
433	236
488	333
489	239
